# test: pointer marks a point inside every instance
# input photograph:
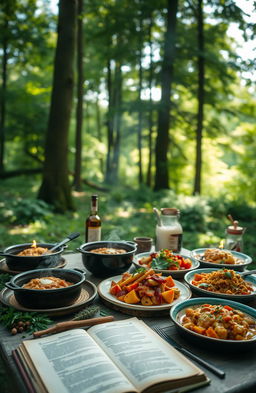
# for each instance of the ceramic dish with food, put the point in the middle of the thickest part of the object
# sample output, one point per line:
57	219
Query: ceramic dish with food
87	296
107	258
30	256
108	290
166	262
215	322
47	288
224	283
216	257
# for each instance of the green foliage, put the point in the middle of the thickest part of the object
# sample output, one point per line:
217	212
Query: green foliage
87	312
4	277
9	316
25	211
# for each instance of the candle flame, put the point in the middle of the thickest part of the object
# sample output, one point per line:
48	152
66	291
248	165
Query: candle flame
221	244
33	244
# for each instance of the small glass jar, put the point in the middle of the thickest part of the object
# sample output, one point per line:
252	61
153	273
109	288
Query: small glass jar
234	238
169	233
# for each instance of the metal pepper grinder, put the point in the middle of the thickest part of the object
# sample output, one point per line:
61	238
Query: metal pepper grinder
234	236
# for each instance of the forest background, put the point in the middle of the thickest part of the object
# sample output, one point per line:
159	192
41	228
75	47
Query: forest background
146	103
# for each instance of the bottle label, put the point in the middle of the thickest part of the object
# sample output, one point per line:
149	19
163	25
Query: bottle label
94	234
175	242
170	241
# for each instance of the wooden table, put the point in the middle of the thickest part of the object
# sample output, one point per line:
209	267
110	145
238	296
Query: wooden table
239	367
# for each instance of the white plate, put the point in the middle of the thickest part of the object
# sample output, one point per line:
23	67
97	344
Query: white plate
173	273
104	287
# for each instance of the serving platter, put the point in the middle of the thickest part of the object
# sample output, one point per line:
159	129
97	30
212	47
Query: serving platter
198	254
5	269
178	311
189	277
88	294
103	291
174	273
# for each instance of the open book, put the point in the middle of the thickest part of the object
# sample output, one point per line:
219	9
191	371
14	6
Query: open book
115	357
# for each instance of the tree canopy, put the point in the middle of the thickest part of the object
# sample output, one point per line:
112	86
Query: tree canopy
166	97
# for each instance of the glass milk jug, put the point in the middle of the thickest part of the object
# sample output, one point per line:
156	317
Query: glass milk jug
234	237
168	230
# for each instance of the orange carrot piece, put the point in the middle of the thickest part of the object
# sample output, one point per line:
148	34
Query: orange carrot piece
198	329
210	332
198	277
169	282
168	296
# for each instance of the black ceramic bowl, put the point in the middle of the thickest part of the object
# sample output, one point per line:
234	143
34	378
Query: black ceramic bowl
107	265
23	263
47	298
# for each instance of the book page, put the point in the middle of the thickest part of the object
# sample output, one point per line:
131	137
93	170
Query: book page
143	356
72	362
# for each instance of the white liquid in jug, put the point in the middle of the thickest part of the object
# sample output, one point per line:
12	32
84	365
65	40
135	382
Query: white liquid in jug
169	237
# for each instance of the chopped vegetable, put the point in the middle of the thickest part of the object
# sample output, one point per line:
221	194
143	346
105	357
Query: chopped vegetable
147	289
165	260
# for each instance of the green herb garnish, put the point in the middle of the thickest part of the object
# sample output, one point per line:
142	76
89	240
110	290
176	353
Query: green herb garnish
228	275
160	263
139	270
86	313
203	285
32	321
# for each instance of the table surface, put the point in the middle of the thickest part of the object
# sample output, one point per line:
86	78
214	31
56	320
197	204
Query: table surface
239	367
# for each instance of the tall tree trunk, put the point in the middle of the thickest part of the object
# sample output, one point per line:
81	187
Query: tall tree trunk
109	124
98	126
117	122
55	188
200	98
3	93
150	116
139	102
79	108
162	140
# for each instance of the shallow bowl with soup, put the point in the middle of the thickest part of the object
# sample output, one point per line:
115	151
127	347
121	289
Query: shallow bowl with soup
47	298
107	258
20	263
178	313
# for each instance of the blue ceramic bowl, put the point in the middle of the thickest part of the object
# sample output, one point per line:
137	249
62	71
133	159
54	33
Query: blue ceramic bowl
245	260
178	311
189	277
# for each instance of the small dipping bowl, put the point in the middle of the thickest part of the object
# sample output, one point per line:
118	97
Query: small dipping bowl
144	244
